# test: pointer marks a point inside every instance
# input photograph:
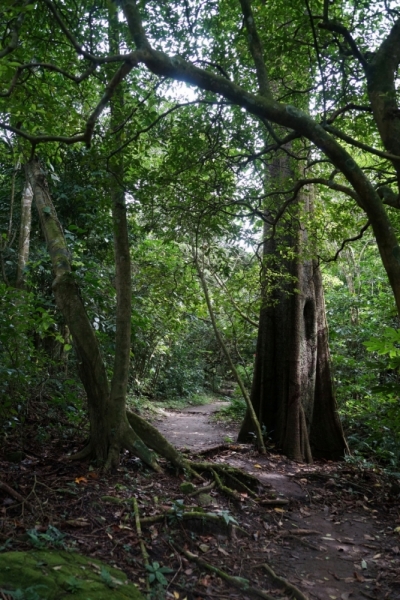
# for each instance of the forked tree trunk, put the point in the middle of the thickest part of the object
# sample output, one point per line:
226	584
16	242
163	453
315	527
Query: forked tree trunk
110	430
292	391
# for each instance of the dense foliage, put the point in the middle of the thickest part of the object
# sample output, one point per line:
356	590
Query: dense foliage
315	80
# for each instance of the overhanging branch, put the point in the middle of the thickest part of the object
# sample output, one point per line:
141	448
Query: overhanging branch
346	241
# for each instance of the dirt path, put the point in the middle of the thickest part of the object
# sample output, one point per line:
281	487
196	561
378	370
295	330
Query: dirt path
335	539
332	530
193	428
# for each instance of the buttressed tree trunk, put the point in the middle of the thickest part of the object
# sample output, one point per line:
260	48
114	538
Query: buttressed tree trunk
292	390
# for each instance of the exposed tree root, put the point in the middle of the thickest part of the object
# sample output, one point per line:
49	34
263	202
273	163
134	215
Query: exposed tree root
202	490
230	479
157	442
196	515
140	438
237	582
273	501
84	454
134	443
289	587
129	440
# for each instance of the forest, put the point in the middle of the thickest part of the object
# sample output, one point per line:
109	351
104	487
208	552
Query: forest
200	299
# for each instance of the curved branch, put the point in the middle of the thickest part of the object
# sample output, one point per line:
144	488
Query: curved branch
157	120
80	49
346	241
48	67
256	49
119	76
342	30
15	32
86	136
338	187
350	106
357	144
42	138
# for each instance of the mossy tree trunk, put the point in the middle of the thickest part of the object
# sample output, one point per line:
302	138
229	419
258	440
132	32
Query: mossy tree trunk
110	430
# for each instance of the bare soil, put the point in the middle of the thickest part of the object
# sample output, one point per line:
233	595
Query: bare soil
194	428
331	530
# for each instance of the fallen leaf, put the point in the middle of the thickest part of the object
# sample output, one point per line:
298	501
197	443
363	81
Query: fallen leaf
359	578
257	466
77	522
204	547
305	512
81	480
279	510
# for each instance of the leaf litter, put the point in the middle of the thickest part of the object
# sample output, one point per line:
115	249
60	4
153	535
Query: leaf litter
327	531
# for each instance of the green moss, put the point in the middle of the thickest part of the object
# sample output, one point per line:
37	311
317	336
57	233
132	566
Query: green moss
48	575
187	488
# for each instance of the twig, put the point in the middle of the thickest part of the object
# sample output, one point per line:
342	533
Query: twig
300	532
289	587
273	501
17	496
142	546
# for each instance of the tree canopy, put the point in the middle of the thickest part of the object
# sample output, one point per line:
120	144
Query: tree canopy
196	100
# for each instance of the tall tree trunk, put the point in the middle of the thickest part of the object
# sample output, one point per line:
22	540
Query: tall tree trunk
122	258
24	233
292	391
